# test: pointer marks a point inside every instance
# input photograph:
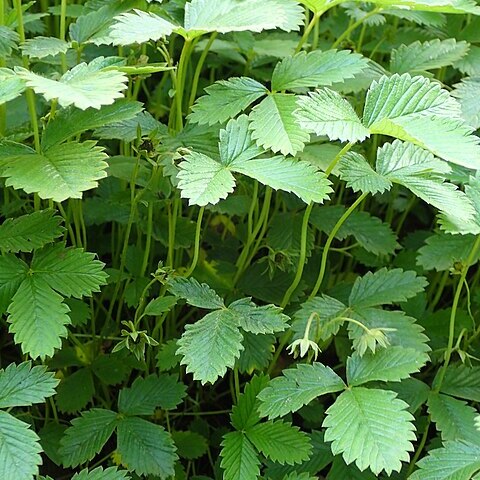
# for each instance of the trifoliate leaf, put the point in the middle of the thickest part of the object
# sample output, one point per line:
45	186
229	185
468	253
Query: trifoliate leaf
371	428
417	110
297	387
12	273
37	317
211	345
280	442
468	94
190	445
239	458
325	112
70	271
40	47
75	391
453	418
23	234
146	448
147	394
385	287
19	449
100	474
85	85
273	125
454	461
11	86
248	15
354	169
317	69
462	381
86	436
390	364
418	57
61	172
225	99
196	294
23	385
258	320
139	27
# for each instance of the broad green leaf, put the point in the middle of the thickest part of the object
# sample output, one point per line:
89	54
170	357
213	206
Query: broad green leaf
23	234
75	391
354	169
280	442
61	172
385	287
225	16
160	305
19	449
23	385
211	345
317	69
40	47
99	473
257	352
203	180
190	445
146	448
273	125
11	86
72	121
371	428
424	175
418	57
9	39
196	294
225	99
452	6
38	318
417	110
12	273
258	320
239	458
245	412
147	394
412	391
297	387
139	27
468	94
85	85
462	381
454	419
325	112
390	364
70	271
340	471
86	436
454	461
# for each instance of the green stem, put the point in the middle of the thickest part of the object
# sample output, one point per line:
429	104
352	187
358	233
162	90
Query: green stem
329	241
302	257
352	27
337	158
148	242
181	73
63	15
308	30
197	243
453	314
172	227
3	107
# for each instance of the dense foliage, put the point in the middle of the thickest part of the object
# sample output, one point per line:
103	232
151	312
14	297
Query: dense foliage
239	239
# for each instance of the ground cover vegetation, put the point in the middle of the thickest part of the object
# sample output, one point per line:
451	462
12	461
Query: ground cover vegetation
239	239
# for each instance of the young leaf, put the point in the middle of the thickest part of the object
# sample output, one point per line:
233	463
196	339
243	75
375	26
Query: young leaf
139	27
146	394
385	287
146	448
37	317
297	387
280	442
12	272
19	449
23	234
211	345
70	271
317	69
371	428
225	99
239	458
273	125
85	85
23	385
87	436
61	172
196	294
100	474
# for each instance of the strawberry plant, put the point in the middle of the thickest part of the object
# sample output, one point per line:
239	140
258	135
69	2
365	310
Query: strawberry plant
239	239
